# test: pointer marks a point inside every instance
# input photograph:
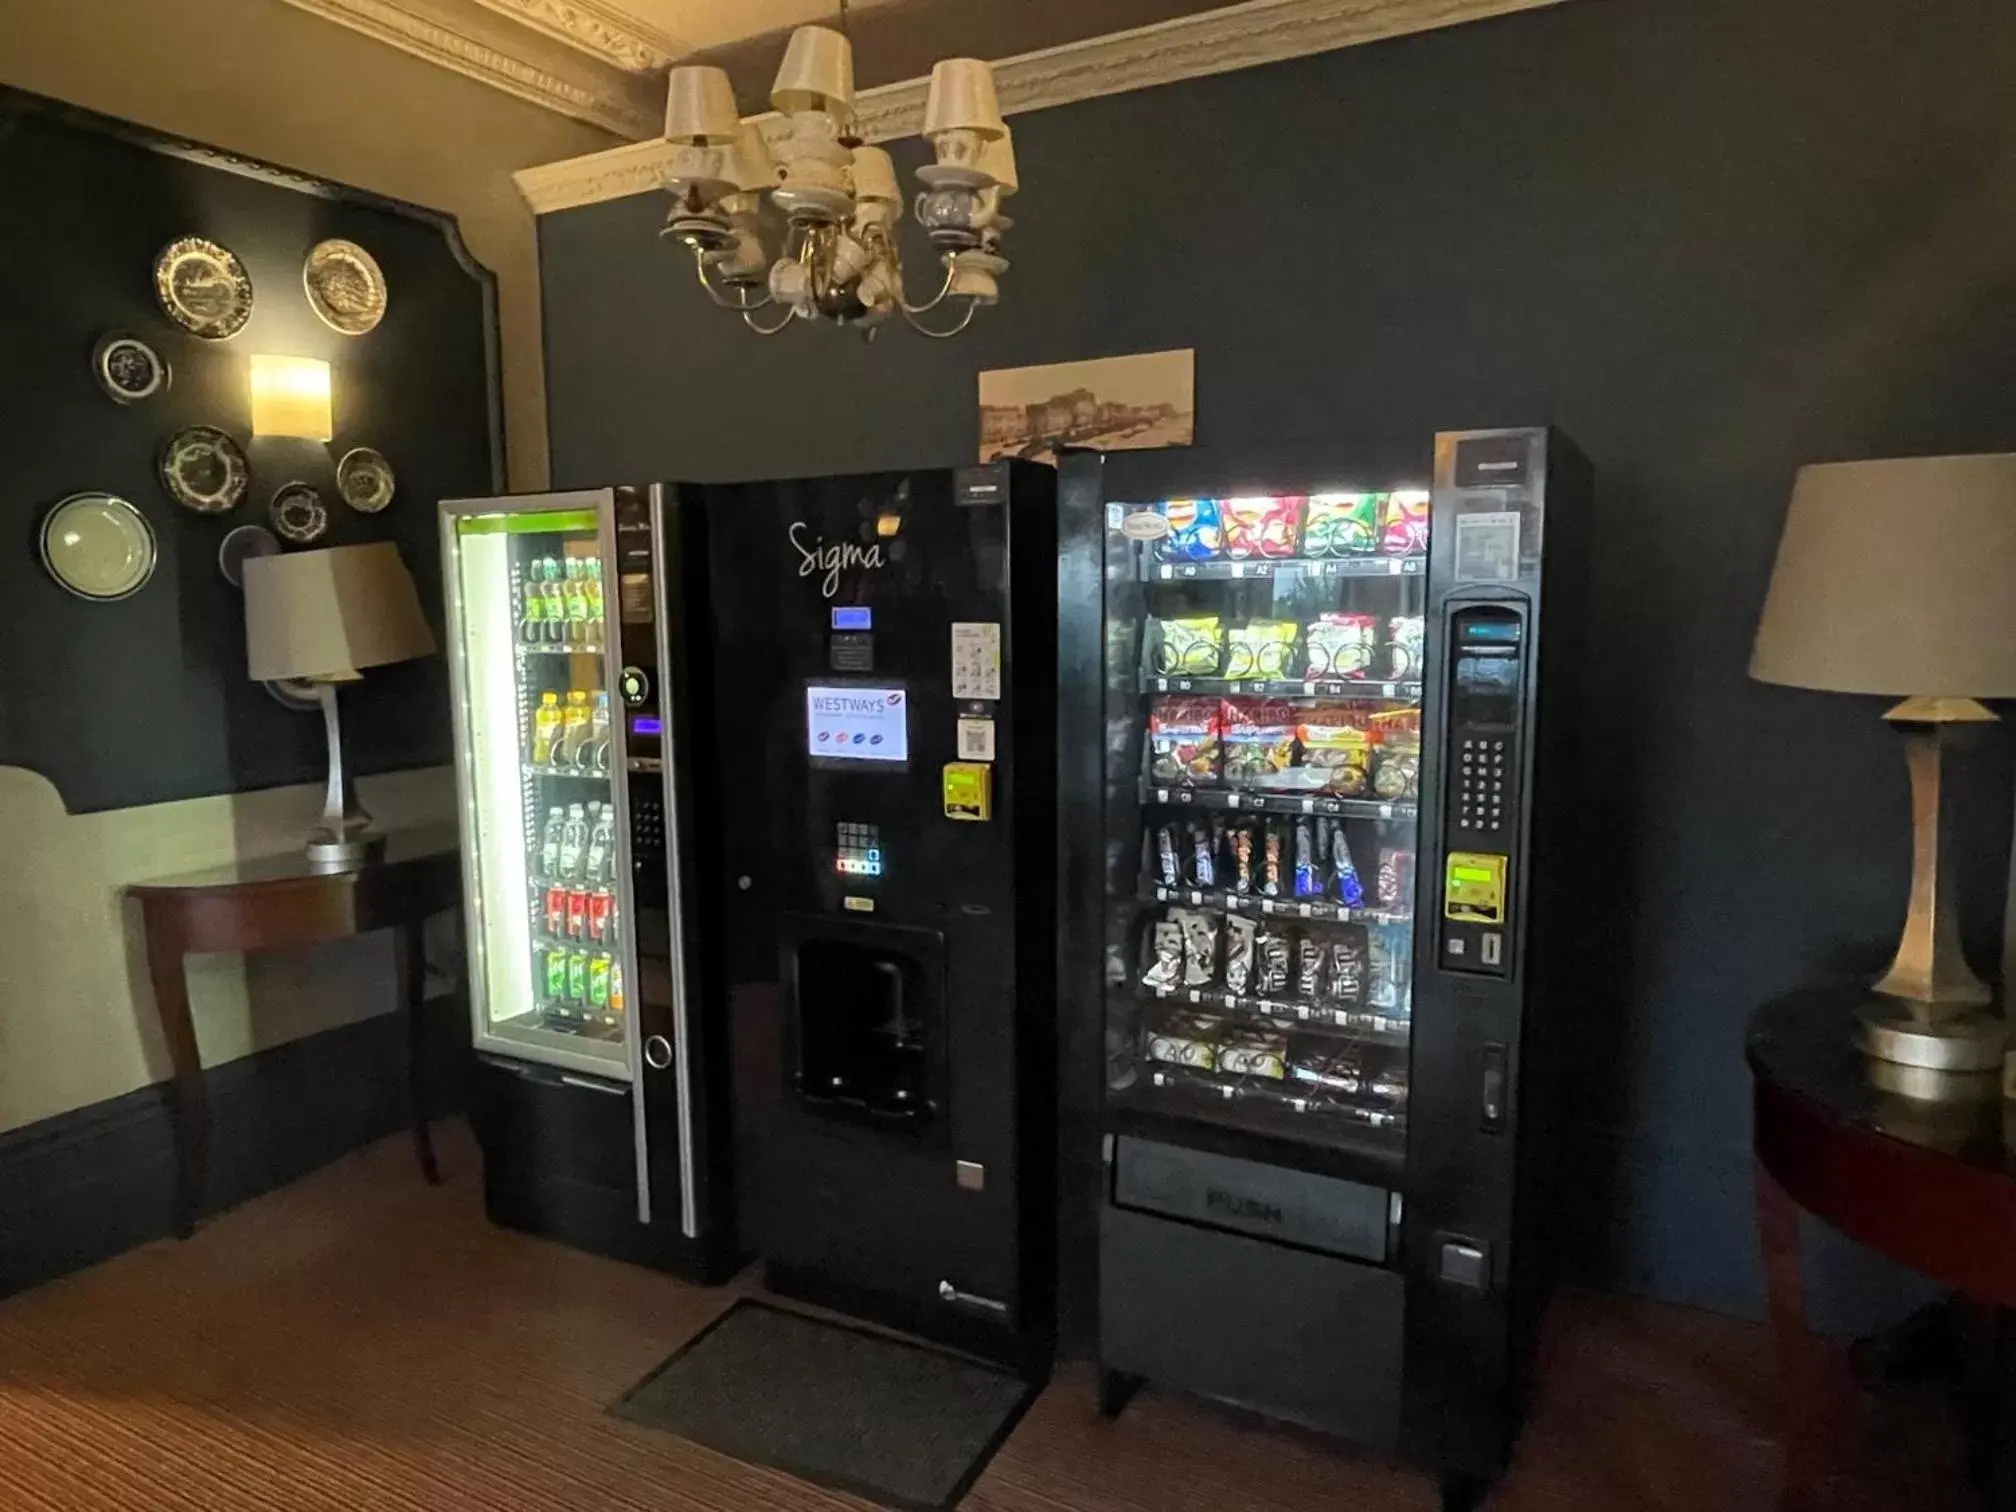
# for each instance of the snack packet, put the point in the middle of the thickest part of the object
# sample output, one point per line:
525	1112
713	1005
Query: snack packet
1245	848
1344	871
1241	936
1336	748
1203	856
1247	1052
1406	645
1259	737
1310	966
1262	527
1308	862
1270	863
1396	755
1162	964
1272	955
1348	965
1396	876
1341	524
1339	645
1264	648
1185	1039
1183	739
1189	647
1195	534
1167	867
1200	945
1403	523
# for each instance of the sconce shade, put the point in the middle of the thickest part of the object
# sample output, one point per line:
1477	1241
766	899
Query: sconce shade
962	99
700	107
817	73
290	397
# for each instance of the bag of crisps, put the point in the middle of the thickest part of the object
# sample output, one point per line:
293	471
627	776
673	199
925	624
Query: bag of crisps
1262	527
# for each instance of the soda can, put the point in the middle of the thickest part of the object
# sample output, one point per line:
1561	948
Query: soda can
556	974
556	912
601	910
577	913
577	976
598	983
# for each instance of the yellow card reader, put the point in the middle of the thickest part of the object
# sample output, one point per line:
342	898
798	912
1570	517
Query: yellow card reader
1473	888
969	790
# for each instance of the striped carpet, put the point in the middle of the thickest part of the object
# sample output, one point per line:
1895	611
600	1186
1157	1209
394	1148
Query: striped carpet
359	1341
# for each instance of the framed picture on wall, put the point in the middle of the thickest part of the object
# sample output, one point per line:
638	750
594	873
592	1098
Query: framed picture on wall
1137	402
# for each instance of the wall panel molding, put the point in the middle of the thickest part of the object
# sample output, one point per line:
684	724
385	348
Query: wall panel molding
1189	47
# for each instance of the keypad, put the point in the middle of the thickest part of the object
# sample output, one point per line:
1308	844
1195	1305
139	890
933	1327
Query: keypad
858	850
647	822
1482	776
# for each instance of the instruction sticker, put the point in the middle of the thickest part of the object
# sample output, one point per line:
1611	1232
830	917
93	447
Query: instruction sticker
976	659
976	739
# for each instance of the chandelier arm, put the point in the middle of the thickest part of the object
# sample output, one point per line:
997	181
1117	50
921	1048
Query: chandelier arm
739	303
965	320
759	328
932	303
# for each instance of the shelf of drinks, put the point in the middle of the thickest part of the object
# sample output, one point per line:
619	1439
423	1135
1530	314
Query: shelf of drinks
1322	910
538	769
583	1021
1382	1030
1258	1105
1222	569
542	649
1287	687
1275	803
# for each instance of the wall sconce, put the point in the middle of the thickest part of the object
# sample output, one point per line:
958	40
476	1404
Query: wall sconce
290	397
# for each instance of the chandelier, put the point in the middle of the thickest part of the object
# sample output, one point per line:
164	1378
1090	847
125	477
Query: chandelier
840	259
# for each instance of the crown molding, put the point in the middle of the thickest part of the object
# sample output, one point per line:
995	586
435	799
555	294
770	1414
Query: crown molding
1189	47
473	38
598	30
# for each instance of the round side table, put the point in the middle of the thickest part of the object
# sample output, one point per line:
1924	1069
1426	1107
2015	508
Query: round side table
1932	1185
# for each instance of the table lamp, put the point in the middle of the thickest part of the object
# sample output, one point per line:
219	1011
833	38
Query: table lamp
321	618
1899	578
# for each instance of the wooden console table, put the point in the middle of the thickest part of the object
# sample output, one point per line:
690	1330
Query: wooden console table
278	903
1931	1185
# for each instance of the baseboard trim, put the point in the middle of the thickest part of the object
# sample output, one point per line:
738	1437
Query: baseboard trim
92	1183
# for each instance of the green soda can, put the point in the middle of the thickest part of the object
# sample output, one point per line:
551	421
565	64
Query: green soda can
556	975
598	984
577	977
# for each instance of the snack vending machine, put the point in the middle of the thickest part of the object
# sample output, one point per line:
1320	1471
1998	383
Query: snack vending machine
1317	922
576	636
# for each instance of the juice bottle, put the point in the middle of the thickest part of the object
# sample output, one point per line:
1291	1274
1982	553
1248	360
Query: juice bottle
573	730
534	622
546	726
595	756
616	1002
574	593
592	586
556	602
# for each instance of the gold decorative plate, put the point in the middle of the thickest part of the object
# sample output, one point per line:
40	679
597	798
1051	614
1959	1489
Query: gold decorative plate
298	514
205	470
203	287
364	479
346	287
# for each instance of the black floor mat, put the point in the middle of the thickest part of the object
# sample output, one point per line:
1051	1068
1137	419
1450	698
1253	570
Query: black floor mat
899	1423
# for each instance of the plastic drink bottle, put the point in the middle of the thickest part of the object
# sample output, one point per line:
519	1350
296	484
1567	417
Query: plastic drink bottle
573	730
556	973
591	584
577	977
615	986
545	727
556	602
598	983
601	845
573	841
595	757
549	842
535	605
574	593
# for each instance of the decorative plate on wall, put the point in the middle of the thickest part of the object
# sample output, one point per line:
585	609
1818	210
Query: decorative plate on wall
298	514
365	480
98	546
203	469
345	285
128	369
203	287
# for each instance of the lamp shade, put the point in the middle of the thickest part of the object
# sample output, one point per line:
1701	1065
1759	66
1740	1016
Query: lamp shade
700	107
1896	577
290	397
817	73
750	164
962	99
998	162
326	615
875	176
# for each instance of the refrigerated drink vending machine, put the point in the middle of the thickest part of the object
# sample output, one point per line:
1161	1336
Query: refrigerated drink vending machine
576	644
885	715
1319	860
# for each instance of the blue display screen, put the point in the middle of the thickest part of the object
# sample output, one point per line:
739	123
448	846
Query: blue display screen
1500	632
857	617
645	724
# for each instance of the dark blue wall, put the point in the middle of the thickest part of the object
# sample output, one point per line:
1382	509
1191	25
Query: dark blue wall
1711	240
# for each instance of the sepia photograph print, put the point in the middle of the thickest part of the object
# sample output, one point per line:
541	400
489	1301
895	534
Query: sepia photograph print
1129	403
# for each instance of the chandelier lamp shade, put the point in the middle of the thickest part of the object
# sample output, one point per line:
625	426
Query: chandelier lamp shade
840	201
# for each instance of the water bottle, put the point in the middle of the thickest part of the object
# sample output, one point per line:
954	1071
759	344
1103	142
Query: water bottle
601	848
573	841
549	841
594	755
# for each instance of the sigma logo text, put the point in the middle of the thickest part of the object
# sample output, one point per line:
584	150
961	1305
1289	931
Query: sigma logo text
831	558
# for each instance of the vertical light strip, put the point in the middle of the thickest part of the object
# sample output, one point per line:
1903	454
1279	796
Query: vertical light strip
491	659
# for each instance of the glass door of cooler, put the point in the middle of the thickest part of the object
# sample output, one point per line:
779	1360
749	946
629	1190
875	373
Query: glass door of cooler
546	838
1264	664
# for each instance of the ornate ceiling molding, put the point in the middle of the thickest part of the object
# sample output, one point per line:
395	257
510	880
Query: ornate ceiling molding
599	30
1189	47
471	39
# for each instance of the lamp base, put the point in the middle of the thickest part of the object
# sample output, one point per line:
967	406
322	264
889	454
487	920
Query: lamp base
336	853
1887	1029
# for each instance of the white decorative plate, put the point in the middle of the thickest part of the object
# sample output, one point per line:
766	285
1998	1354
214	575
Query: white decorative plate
346	287
364	479
203	469
98	546
203	287
298	514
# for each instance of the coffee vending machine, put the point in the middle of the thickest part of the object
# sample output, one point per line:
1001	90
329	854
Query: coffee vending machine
885	704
